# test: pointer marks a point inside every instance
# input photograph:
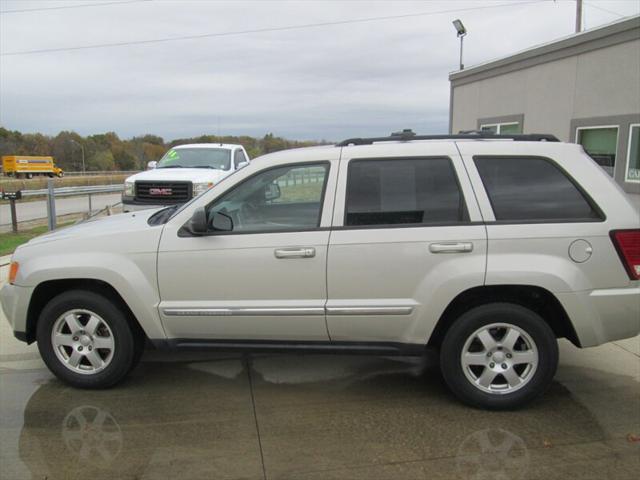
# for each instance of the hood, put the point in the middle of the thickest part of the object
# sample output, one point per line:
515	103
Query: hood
196	175
115	224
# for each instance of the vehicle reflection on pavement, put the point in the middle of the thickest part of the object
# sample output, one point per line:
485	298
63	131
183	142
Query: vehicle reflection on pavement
214	416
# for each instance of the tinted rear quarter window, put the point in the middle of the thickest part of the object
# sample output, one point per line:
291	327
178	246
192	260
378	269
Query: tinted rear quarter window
403	192
532	189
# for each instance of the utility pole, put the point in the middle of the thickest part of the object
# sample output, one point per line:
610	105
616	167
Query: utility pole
578	16
81	148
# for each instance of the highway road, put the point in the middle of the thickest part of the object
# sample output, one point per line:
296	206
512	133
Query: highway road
64	205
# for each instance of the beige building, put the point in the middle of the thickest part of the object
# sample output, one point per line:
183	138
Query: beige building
584	88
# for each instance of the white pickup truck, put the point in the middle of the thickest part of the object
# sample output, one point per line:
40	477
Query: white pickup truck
184	172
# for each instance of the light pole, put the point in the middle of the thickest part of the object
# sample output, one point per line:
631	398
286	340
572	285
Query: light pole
82	148
578	16
461	33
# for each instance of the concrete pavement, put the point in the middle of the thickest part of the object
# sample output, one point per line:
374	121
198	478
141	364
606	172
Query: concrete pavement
226	416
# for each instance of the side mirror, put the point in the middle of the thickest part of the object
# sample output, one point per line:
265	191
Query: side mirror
272	191
151	165
198	223
241	165
221	222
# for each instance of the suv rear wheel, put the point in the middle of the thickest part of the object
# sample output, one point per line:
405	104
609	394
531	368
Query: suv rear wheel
499	356
86	340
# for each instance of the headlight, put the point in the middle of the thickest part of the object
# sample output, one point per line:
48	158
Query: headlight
129	189
199	188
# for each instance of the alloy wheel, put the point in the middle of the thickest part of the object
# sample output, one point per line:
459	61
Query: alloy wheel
499	358
82	341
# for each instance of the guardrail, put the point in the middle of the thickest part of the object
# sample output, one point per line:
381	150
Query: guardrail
91	173
51	193
71	191
102	172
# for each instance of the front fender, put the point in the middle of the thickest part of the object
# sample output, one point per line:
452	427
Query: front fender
133	276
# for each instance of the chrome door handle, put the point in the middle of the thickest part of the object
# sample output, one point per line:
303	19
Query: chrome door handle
459	247
306	252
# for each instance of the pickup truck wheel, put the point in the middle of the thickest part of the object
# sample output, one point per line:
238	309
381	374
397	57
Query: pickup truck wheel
499	356
29	175
86	340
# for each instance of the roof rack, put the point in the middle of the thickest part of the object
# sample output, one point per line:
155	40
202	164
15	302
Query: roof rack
408	134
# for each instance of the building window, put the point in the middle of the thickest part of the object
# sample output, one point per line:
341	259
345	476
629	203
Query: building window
506	128
633	154
601	144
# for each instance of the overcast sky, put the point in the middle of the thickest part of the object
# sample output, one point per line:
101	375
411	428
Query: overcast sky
323	82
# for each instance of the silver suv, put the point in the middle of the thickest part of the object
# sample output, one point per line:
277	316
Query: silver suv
485	248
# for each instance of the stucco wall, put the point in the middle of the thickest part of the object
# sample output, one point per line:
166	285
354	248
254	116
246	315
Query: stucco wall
598	83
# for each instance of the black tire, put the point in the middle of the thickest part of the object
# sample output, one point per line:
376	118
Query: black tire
127	341
29	175
488	314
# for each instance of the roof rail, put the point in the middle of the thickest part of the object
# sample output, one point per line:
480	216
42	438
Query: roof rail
408	134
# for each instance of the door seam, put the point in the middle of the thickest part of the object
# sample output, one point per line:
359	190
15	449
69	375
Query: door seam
326	265
484	222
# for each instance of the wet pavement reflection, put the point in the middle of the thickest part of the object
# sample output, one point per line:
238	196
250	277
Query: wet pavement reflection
210	416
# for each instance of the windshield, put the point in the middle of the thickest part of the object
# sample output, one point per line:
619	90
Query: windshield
216	158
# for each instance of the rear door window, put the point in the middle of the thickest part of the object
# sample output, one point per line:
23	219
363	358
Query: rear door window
533	189
393	192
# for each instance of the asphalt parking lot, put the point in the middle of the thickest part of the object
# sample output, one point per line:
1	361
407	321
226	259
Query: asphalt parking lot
210	416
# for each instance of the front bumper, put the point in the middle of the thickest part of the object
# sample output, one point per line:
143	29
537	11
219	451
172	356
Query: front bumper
605	315
15	305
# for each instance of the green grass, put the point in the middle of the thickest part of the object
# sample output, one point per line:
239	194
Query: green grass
10	241
11	184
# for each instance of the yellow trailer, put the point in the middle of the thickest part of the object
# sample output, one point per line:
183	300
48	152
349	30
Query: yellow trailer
19	166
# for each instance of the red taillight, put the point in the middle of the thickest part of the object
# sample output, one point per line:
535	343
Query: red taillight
627	244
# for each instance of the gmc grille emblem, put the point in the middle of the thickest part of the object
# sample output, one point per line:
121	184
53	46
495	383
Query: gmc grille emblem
160	191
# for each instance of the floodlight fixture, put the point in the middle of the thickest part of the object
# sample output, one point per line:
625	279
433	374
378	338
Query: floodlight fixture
459	27
461	33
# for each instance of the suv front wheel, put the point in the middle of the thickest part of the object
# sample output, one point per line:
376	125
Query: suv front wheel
499	356
86	340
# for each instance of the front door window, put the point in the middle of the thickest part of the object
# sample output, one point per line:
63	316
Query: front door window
285	198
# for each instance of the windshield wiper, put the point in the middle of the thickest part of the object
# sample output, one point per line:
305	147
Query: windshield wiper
206	166
171	166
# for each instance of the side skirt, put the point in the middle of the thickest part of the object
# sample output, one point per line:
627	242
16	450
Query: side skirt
279	346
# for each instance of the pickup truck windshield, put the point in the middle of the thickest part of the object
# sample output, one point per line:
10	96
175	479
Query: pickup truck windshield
215	158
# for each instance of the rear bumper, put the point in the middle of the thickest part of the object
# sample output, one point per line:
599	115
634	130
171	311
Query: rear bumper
600	316
15	304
